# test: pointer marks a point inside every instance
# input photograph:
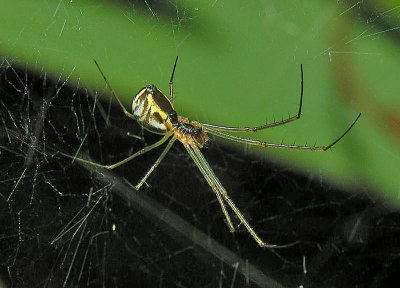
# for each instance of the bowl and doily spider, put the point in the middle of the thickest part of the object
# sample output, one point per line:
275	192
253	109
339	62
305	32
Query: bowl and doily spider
156	113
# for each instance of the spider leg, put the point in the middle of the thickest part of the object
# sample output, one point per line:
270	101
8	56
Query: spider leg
158	161
127	113
213	181
212	184
266	126
274	145
109	167
171	83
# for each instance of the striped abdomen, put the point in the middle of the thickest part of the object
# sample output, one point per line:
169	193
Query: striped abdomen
153	110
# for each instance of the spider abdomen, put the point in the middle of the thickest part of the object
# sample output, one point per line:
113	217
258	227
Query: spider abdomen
153	110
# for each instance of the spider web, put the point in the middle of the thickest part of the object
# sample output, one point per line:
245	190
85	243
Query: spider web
65	224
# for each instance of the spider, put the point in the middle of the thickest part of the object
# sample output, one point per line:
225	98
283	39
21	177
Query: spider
156	113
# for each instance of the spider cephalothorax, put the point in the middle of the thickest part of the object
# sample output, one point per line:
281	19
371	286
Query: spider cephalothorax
190	132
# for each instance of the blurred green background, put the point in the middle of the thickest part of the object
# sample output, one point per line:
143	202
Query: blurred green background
239	66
